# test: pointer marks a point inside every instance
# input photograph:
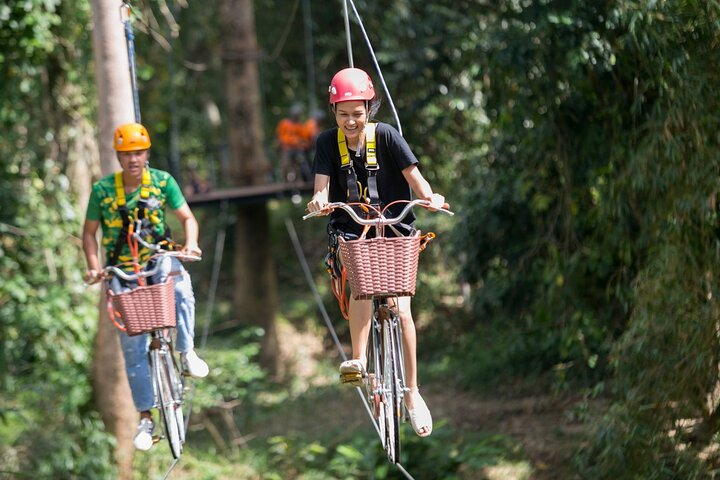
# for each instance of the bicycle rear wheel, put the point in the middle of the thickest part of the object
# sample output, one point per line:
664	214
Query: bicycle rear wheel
391	394
167	402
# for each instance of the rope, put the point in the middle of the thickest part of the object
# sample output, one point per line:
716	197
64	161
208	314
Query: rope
374	59
318	299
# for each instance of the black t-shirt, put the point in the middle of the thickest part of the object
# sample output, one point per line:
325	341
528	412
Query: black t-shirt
393	156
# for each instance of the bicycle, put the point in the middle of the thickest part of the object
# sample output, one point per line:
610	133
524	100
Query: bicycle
151	310
384	378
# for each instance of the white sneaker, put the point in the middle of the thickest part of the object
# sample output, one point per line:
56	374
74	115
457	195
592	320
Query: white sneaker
143	439
194	365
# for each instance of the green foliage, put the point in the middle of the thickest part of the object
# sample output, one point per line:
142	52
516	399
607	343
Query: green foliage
47	321
445	455
48	428
235	376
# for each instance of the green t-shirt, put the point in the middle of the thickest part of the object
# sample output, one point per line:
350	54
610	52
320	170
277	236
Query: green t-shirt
102	207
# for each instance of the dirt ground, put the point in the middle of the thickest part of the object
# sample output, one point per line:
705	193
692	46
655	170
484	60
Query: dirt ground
542	424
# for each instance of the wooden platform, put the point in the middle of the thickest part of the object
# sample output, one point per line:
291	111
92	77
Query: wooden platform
250	194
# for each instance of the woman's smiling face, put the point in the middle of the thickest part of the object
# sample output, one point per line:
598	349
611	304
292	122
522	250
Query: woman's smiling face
351	118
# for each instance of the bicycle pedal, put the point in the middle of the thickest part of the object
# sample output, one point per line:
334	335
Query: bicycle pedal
354	377
156	439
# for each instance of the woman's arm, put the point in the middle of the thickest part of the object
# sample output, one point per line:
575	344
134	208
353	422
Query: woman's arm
421	187
321	195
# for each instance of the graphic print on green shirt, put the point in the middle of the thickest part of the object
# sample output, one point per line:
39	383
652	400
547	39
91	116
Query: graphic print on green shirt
102	207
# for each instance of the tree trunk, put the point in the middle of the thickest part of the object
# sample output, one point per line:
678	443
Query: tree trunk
256	284
115	106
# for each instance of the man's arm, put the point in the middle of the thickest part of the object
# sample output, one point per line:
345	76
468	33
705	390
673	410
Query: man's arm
90	247
190	227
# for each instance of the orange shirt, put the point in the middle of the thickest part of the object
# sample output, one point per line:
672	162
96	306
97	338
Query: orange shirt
290	134
310	131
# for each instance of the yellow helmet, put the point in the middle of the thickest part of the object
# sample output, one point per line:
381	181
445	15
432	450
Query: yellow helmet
131	137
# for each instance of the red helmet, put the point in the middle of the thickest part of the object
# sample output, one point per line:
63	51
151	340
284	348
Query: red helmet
351	84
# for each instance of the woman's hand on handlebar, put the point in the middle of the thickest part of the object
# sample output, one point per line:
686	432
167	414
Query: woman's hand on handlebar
192	250
437	202
318	205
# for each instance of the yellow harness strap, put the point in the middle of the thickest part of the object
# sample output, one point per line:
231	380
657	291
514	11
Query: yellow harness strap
120	187
370	157
342	145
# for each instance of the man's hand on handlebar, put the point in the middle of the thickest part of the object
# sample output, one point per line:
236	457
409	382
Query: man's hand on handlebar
93	276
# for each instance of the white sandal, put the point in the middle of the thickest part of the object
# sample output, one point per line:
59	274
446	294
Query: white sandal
352	372
420	416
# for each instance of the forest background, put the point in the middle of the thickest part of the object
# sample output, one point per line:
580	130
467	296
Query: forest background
576	140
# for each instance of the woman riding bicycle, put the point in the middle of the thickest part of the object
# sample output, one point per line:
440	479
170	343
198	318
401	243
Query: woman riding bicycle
344	172
119	201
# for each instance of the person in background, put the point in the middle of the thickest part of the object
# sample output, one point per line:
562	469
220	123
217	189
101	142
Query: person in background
132	144
354	103
289	135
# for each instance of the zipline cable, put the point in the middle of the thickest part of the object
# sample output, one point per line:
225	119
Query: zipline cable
125	14
347	33
372	55
290	226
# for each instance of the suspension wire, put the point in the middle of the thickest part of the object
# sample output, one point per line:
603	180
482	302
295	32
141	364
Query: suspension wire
347	33
125	15
172	465
375	62
309	56
217	262
219	249
321	306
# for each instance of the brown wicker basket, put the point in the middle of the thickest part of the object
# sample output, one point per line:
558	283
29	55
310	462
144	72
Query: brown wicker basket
381	266
148	308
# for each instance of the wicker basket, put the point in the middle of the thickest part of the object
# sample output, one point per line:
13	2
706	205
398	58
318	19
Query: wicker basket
145	309
381	266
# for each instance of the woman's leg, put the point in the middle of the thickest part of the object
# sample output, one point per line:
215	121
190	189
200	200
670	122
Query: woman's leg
359	317
419	413
409	340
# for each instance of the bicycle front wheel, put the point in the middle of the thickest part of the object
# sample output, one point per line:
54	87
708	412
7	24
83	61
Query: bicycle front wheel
391	394
168	405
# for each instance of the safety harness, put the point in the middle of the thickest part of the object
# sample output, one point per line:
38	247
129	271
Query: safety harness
371	165
140	214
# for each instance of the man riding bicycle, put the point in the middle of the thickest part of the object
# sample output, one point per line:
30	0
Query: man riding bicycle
139	195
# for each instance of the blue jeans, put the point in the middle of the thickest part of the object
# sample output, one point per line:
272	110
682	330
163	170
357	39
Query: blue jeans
135	348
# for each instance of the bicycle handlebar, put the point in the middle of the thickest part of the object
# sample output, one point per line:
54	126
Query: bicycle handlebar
382	219
146	273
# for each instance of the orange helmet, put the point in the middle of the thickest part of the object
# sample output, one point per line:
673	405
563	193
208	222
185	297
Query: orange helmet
351	84
131	137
